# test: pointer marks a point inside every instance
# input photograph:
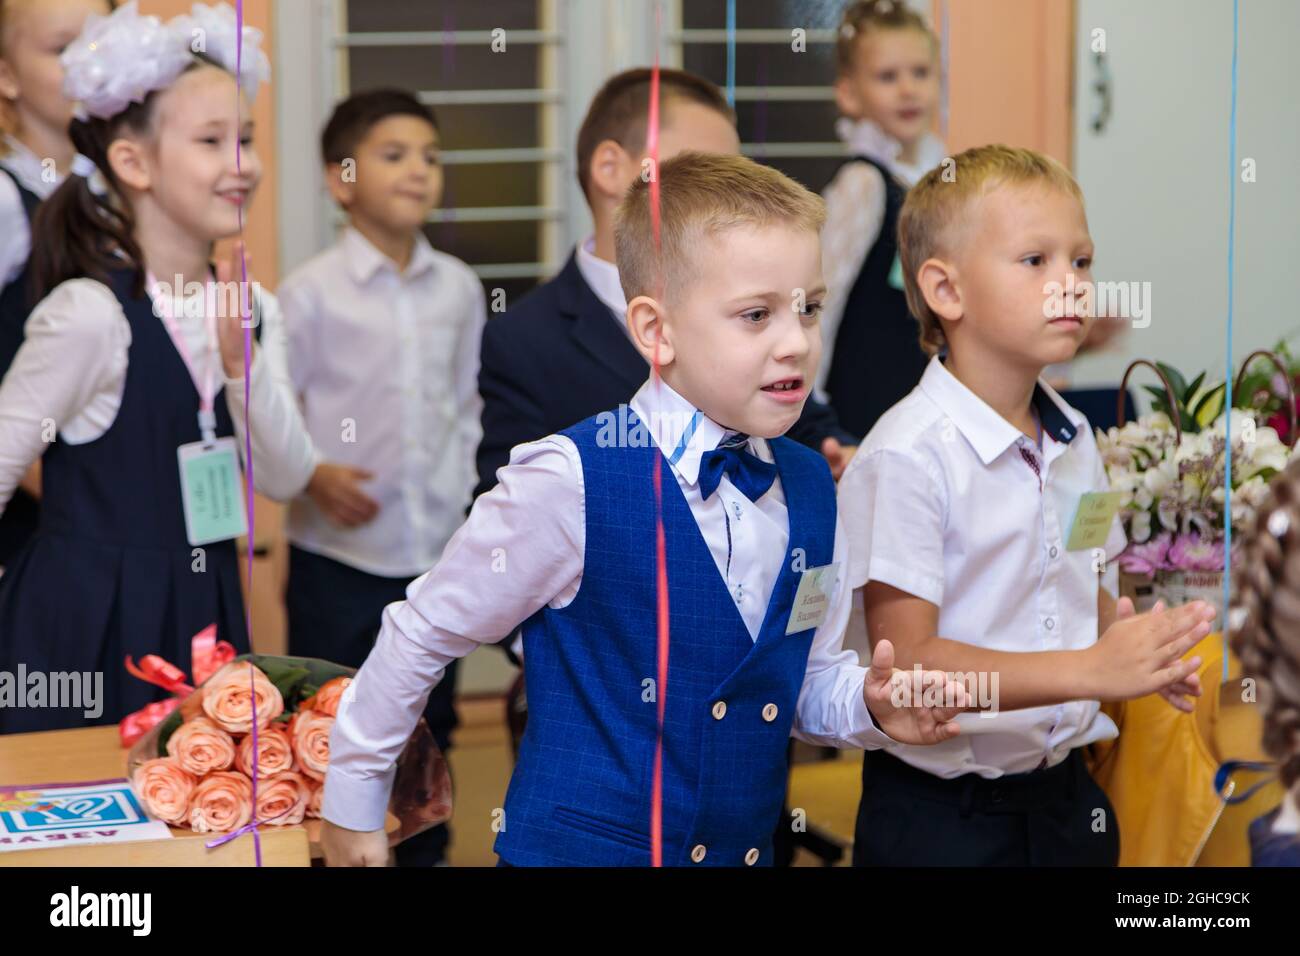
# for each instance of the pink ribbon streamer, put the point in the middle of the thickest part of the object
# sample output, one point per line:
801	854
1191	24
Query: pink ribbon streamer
661	551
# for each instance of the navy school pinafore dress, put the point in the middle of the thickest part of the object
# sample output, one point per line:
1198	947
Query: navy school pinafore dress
22	514
110	571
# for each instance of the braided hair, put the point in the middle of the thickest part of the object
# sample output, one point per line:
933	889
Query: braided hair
1266	618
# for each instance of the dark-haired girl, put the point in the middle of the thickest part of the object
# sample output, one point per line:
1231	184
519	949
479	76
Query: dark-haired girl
130	381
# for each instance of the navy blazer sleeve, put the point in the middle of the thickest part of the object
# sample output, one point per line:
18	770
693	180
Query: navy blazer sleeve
512	413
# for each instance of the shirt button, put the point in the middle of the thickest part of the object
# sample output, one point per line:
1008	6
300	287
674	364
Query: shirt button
697	853
739	593
735	507
1049	623
769	713
1053	552
719	710
751	857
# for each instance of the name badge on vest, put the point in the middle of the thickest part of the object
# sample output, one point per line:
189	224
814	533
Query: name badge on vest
1093	519
812	601
210	492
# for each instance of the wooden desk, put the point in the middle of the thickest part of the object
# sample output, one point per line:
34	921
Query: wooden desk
94	753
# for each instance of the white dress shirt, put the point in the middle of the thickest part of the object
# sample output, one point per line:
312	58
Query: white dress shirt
855	213
940	502
385	364
602	276
71	369
521	550
15	233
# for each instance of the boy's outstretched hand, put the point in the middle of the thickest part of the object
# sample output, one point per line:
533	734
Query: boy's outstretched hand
1141	654
343	847
1177	692
898	705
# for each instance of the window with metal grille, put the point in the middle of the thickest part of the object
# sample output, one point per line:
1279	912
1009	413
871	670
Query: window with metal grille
785	107
511	207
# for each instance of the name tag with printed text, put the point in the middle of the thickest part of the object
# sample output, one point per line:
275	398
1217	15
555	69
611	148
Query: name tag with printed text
812	601
1093	519
210	491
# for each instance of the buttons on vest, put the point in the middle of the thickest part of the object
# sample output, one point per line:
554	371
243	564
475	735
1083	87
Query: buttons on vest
720	710
751	857
769	712
697	854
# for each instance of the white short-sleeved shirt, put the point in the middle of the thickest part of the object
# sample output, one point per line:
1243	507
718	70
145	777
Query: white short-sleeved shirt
385	365
941	502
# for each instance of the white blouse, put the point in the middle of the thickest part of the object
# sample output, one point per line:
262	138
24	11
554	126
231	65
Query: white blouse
15	233
71	370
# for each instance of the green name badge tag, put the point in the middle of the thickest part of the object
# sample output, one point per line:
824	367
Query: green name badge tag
1092	521
896	275
813	599
210	491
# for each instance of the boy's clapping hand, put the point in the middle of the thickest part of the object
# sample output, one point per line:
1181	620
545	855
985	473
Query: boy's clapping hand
1140	654
898	705
1182	687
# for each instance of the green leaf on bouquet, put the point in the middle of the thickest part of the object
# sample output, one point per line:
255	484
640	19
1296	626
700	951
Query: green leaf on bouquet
168	727
1176	382
1209	407
1196	383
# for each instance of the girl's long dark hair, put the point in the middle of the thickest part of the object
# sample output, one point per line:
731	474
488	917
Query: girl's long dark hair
77	234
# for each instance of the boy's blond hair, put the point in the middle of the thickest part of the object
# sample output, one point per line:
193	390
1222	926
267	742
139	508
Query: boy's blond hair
701	194
941	202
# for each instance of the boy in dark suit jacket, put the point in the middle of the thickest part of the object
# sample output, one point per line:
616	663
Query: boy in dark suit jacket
562	353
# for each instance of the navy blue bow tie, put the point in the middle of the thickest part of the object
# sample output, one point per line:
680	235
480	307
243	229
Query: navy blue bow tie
750	474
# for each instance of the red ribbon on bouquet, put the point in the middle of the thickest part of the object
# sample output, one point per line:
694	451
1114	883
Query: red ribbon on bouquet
207	655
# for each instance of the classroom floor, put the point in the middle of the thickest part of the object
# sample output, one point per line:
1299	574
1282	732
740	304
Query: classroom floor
481	762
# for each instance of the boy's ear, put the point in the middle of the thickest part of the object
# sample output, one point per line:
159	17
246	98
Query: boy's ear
645	320
938	284
342	188
608	171
127	159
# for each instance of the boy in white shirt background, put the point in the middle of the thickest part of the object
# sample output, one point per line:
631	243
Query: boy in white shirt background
384	337
962	510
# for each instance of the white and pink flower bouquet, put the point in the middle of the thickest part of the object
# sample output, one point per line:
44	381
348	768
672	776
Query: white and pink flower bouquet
1170	474
195	768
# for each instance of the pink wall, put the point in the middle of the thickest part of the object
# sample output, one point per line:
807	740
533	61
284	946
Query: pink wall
1010	73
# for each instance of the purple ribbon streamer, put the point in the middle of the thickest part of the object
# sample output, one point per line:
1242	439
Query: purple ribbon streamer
250	827
245	312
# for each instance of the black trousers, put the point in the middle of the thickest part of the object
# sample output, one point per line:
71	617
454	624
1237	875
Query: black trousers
1053	817
334	613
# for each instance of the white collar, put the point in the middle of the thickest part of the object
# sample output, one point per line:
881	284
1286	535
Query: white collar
28	168
865	137
682	432
602	276
1288	816
988	432
365	259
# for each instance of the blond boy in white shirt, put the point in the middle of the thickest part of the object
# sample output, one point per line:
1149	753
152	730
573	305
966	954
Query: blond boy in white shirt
980	537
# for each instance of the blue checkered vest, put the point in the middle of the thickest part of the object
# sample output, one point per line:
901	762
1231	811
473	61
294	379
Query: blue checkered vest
580	793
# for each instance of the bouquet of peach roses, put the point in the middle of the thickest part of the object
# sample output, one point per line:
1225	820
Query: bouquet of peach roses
195	768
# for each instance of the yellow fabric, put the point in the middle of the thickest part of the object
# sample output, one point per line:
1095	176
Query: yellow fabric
1159	774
